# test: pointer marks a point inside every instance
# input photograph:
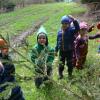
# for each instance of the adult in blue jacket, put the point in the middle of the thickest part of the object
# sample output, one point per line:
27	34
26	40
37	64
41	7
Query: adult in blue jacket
7	75
65	39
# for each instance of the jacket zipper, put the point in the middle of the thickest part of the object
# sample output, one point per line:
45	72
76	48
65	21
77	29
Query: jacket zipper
63	40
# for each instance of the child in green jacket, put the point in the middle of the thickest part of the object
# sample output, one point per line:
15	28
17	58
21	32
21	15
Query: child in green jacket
42	56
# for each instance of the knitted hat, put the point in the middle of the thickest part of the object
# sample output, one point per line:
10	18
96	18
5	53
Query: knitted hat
83	25
41	30
66	19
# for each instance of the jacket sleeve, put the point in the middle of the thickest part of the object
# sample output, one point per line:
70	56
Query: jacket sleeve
9	73
76	25
90	29
95	36
77	51
10	70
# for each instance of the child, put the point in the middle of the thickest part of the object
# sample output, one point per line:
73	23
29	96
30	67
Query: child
81	45
42	56
65	39
8	73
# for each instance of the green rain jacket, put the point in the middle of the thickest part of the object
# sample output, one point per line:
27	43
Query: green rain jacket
42	57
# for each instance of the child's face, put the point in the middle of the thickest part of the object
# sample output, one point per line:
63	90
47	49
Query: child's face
42	39
4	52
83	31
65	25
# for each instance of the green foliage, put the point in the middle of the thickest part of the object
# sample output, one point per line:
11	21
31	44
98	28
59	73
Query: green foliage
7	92
89	1
7	5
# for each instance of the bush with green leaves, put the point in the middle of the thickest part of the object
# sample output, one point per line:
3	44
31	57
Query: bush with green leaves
89	1
7	5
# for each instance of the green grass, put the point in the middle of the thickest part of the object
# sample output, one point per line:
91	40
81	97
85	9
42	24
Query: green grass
23	19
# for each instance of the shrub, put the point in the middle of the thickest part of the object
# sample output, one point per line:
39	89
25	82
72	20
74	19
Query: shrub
89	1
9	6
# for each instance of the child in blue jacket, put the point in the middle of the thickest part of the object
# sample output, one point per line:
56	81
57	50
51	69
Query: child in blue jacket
65	41
7	74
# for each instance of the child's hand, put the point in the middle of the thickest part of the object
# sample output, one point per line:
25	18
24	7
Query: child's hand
71	17
56	54
91	28
98	40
